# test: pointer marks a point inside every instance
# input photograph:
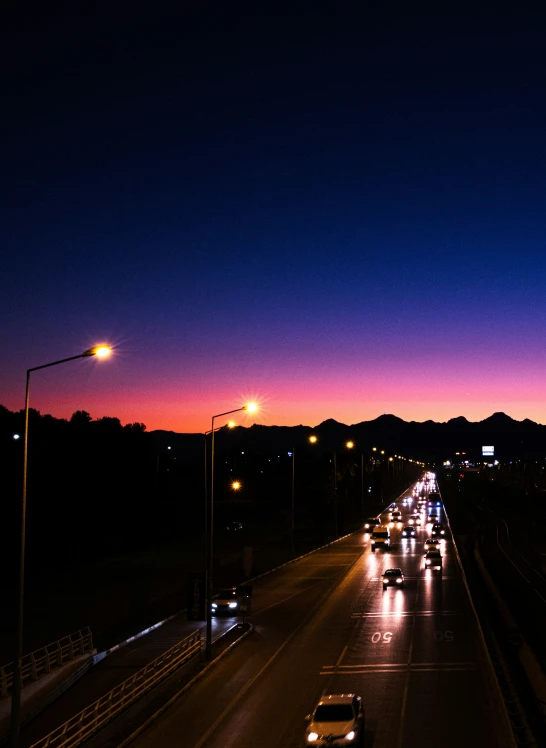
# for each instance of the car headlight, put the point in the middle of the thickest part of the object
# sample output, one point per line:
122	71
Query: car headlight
366	526
312	736
233	605
350	735
399	580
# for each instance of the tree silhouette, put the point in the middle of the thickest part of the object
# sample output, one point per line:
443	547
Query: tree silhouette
80	418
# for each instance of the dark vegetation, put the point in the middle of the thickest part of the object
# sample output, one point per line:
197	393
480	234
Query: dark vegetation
116	515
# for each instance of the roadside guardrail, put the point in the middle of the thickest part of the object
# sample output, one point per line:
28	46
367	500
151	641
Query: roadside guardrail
79	728
42	661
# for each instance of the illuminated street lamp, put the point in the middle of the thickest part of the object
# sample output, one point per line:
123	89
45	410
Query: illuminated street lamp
100	351
250	408
236	485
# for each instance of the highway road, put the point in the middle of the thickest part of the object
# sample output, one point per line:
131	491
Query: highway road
325	625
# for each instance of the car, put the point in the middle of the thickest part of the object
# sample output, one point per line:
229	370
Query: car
409	532
234	526
381	538
396	516
414	518
393	577
371	522
433	516
226	601
338	719
438	530
418	521
433	560
434	499
431	543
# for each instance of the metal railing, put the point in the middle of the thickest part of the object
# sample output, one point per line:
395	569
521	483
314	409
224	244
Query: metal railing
43	660
80	727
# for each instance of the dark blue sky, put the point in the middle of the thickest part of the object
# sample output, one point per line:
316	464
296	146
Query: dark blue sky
339	209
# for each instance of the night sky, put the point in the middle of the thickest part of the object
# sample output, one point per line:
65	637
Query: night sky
338	209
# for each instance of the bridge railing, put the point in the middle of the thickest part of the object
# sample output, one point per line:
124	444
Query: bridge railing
79	728
44	660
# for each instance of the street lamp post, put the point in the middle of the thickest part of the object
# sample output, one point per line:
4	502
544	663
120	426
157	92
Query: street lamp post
293	505
312	440
251	407
101	351
362	485
335	494
348	445
230	425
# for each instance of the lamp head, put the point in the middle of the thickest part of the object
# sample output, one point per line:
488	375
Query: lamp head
250	407
100	351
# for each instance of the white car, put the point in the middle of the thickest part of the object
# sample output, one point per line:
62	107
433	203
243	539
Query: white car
433	560
338	719
432	544
226	601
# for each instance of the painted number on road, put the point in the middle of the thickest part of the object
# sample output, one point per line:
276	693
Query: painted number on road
444	636
385	638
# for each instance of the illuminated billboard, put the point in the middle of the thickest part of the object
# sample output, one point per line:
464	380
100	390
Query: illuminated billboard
488	451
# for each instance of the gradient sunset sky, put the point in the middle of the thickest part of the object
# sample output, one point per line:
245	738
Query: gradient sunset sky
337	210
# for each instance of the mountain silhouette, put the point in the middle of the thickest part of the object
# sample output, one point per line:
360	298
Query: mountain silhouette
428	440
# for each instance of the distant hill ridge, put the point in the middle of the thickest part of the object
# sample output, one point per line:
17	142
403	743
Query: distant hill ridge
419	440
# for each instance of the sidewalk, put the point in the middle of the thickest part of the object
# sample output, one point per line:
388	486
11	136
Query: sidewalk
112	670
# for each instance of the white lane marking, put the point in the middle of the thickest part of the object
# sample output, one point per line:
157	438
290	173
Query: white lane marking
283	600
342	655
361	665
443	578
404	670
406	687
401	614
351	573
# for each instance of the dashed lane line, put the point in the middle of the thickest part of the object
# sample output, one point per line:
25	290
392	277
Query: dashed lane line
407	614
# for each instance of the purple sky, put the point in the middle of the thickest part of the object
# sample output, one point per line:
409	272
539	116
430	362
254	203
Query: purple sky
341	214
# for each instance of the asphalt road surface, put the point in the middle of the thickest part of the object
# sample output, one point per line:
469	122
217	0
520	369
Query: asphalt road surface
325	625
